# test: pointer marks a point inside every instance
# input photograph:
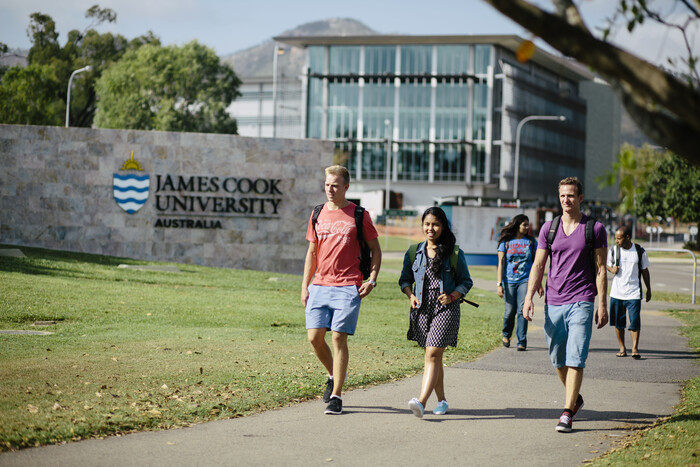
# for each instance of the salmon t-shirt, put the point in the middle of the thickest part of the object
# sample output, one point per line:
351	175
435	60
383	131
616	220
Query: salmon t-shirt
337	248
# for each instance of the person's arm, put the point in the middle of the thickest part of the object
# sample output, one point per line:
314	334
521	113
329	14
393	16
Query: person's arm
534	282
601	316
499	273
406	281
309	269
612	269
376	250
647	282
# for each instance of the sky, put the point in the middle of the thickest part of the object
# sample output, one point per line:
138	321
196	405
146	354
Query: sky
228	26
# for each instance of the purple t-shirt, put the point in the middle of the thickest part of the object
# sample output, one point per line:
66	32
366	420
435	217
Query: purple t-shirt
571	276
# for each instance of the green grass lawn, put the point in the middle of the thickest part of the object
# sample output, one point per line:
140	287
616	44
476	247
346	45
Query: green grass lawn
674	440
139	350
143	350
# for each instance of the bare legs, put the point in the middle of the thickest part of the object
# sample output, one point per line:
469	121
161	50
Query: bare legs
336	366
571	377
621	340
433	375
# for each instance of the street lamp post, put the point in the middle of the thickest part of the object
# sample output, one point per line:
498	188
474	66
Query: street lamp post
70	81
278	51
387	133
522	122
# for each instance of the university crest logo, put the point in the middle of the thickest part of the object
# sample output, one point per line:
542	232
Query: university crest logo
130	189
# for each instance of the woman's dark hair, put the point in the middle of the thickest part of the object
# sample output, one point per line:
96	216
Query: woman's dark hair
445	242
511	229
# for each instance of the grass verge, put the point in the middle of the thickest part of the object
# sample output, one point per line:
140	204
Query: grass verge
673	440
145	350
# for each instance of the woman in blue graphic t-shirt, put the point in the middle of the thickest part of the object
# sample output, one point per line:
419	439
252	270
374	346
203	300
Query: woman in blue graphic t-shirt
516	252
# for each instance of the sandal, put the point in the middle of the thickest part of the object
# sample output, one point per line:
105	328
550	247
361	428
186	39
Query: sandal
506	342
621	354
636	356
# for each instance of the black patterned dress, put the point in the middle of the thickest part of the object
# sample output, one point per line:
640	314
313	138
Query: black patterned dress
433	324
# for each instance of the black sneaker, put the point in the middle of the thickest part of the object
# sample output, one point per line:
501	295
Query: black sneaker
328	391
335	406
565	422
579	404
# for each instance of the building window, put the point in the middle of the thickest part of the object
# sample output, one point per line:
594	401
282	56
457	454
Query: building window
482	58
378	106
344	60
452	59
373	161
380	60
414	110
342	109
413	161
416	59
450	162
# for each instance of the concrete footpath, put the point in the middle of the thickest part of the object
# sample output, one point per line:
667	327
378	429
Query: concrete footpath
503	410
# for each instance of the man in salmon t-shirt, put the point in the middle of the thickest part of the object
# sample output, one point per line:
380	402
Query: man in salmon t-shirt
332	301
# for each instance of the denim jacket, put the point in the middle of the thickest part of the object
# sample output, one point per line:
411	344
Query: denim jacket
415	273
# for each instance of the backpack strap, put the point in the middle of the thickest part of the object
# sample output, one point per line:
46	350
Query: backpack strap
640	252
314	218
454	258
590	241
616	255
412	252
359	217
553	227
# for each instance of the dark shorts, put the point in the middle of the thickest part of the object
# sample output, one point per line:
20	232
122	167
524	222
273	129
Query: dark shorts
618	316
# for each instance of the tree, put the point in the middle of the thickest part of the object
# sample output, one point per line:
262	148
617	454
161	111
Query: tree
168	88
672	191
666	107
37	94
630	171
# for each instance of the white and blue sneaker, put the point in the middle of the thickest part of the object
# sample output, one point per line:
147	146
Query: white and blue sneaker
416	407
441	408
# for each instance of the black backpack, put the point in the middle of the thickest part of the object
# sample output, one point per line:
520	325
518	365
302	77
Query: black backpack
365	252
588	233
640	252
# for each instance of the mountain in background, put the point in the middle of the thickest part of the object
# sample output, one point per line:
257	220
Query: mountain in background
257	61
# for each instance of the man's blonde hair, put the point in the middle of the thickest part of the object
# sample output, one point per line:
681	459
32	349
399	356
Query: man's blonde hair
573	181
339	171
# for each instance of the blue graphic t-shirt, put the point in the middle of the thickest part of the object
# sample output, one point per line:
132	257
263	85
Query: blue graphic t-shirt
519	258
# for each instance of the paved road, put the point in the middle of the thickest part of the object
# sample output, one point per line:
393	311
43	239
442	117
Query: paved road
504	408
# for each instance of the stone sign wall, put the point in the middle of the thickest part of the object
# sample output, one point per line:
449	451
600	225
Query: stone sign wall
215	200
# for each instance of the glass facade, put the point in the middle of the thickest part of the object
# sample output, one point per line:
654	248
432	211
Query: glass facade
444	113
416	95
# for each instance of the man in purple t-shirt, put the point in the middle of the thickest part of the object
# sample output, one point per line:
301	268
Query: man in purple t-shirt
571	289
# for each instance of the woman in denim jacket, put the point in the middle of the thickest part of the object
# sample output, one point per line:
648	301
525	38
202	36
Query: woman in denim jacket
434	318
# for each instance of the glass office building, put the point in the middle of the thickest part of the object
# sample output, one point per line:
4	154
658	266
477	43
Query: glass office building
436	116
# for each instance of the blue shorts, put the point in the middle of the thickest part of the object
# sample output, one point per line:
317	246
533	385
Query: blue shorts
617	313
334	308
568	330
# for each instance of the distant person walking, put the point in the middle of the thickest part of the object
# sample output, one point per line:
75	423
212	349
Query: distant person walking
332	301
577	247
628	262
516	253
434	280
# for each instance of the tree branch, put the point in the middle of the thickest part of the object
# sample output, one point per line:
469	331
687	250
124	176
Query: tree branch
640	81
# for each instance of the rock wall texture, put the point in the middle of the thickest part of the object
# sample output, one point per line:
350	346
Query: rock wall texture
215	200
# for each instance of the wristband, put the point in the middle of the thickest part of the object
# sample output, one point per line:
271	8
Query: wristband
452	297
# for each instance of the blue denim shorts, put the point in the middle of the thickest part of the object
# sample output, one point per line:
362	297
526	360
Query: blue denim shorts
567	329
617	313
334	308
